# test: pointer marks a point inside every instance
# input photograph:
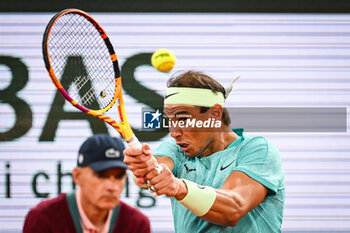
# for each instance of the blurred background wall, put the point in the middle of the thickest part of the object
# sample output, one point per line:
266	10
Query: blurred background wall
288	54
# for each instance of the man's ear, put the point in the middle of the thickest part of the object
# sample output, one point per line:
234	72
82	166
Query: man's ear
77	175
216	111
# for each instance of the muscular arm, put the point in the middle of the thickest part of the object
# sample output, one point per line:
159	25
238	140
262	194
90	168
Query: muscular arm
238	196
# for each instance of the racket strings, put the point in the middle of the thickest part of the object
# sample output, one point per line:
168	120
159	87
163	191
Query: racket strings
80	58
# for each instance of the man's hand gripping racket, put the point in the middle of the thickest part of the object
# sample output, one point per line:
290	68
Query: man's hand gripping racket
84	68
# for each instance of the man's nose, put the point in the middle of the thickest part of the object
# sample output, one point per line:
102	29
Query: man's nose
112	183
175	132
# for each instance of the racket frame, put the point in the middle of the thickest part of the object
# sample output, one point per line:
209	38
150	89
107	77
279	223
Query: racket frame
123	127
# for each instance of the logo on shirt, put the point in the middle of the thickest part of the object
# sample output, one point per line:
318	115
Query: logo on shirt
224	167
188	170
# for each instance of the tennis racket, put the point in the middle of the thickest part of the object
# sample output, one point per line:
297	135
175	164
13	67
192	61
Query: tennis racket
74	40
84	68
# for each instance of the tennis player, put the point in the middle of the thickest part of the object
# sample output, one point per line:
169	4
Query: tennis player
95	207
219	180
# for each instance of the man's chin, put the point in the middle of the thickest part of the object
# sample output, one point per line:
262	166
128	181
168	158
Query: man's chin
190	154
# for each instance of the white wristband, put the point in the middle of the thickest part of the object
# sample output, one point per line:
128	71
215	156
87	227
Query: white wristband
199	199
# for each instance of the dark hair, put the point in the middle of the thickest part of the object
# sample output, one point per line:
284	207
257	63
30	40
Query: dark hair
200	80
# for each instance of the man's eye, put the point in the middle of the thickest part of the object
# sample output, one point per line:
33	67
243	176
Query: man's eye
102	176
119	176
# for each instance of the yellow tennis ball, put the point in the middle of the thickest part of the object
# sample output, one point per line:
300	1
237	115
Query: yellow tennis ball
163	60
